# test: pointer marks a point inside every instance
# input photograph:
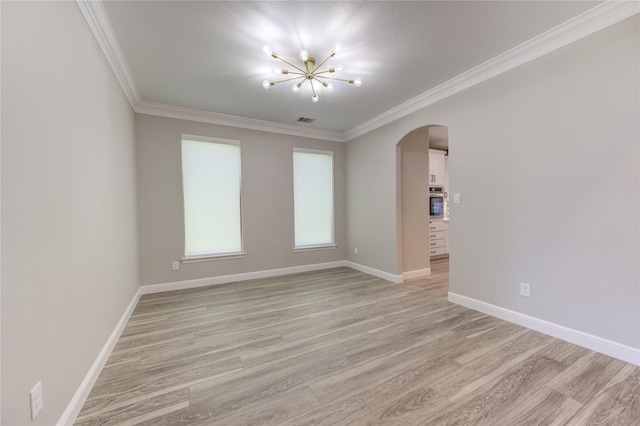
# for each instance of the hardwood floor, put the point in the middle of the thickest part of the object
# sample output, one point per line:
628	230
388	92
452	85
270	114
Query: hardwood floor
341	347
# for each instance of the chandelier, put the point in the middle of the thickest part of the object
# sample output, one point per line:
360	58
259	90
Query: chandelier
310	72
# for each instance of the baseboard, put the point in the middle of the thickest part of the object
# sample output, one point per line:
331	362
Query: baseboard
75	405
375	272
418	273
589	341
224	279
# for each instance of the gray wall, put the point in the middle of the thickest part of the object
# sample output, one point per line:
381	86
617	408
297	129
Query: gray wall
267	200
546	159
69	238
556	140
414	201
372	220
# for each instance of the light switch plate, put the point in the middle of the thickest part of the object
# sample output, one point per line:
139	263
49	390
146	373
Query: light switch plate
35	397
456	198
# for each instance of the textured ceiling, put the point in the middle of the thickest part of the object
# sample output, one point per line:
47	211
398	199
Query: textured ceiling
208	55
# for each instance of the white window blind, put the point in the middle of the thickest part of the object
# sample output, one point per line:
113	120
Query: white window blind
211	187
313	197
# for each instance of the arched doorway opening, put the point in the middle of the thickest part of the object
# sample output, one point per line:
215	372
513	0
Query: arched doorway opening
417	243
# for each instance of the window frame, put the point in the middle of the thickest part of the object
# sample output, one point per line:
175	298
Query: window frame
322	246
213	256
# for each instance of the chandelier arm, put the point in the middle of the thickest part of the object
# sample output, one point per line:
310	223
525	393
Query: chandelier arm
323	72
323	62
292	78
290	64
324	83
313	89
301	74
348	80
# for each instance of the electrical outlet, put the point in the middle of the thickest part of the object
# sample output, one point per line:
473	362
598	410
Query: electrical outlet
175	266
525	290
355	250
35	396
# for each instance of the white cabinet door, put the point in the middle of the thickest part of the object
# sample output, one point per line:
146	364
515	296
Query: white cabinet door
438	238
436	168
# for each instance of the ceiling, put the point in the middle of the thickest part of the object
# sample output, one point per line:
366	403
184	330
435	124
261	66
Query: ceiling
207	56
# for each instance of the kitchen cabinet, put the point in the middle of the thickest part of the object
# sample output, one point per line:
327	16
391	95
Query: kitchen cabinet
436	167
446	178
446	241
438	238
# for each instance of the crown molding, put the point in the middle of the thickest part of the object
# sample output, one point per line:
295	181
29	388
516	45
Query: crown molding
98	22
593	20
170	111
96	17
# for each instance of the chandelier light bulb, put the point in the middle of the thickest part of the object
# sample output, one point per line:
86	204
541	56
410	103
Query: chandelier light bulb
316	73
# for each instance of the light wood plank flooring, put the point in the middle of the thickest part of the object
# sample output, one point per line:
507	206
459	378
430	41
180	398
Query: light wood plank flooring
341	347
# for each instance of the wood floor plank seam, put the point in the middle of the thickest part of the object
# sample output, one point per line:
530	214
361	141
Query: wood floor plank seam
340	347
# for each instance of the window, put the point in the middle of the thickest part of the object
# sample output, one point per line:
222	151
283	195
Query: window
313	198
211	188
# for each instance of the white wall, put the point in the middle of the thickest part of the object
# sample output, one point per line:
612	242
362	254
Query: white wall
267	201
69	233
546	159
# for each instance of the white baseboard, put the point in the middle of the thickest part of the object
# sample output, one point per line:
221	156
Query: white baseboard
75	405
589	341
224	279
418	273
375	272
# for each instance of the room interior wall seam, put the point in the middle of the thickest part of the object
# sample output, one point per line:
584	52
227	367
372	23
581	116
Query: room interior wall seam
596	19
614	349
225	279
396	279
75	405
593	20
209	117
97	20
419	273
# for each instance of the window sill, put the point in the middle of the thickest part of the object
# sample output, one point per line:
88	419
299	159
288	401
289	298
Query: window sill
315	248
212	257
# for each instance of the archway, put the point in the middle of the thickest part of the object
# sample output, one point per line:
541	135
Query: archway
412	184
